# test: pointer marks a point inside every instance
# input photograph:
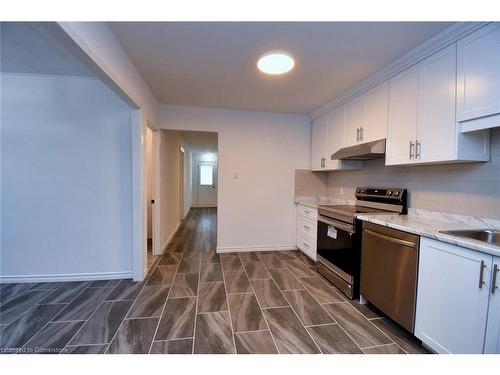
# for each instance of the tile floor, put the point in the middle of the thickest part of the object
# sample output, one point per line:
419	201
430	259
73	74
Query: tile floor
196	301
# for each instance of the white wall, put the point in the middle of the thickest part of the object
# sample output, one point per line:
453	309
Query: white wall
66	179
256	210
169	174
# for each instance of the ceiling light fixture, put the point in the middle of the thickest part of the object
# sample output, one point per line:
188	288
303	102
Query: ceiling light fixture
275	63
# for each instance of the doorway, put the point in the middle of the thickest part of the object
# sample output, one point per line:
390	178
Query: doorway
206	184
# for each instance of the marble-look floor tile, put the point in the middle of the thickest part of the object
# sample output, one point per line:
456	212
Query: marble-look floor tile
386	349
309	311
268	293
210	257
271	261
162	275
103	324
125	290
104	283
52	338
368	311
285	279
361	330
231	262
304	258
24	328
320	290
237	282
14	308
177	320
65	293
289	333
184	346
407	342
211	272
170	259
10	291
245	313
212	297
185	285
82	307
86	349
213	334
189	264
248	256
134	336
256	270
255	343
331	339
298	268
150	302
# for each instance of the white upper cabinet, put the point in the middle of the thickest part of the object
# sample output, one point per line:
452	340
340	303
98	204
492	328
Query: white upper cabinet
366	116
377	109
402	124
318	146
478	78
422	126
327	138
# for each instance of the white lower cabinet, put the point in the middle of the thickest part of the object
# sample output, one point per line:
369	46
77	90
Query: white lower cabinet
492	342
307	230
453	297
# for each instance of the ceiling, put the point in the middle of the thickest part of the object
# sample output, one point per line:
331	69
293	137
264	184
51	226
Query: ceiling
213	64
200	142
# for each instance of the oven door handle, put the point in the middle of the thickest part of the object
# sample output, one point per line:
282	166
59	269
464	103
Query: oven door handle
336	224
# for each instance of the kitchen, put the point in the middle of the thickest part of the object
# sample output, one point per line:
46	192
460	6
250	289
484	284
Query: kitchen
352	175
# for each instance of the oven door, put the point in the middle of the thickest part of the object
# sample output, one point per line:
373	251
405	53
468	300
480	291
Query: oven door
339	254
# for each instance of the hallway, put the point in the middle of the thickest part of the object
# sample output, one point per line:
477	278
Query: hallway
195	301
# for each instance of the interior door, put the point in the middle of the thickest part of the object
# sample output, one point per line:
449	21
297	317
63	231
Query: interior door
207	183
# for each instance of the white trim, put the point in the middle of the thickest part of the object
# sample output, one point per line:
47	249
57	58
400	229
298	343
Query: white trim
67	277
204	206
245	249
157	248
429	47
169	239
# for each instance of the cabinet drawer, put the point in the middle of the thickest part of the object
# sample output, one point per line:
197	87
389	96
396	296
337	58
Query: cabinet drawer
306	227
308	212
307	246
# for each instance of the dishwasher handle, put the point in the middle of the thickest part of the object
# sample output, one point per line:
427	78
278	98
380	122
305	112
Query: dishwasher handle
391	239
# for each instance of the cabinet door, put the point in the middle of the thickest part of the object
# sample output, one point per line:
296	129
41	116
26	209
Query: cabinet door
436	131
402	124
377	110
478	85
318	146
451	307
354	120
492	342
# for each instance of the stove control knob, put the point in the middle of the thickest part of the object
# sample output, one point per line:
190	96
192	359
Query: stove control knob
389	193
396	193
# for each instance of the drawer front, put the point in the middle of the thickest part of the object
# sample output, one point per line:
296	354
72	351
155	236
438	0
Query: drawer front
306	227
307	246
307	212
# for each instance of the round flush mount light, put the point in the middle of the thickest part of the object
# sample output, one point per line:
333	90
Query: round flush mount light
275	63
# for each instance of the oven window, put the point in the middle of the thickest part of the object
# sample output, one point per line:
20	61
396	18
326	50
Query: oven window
340	251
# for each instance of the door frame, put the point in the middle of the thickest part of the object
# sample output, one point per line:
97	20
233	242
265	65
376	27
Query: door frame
156	192
182	160
214	181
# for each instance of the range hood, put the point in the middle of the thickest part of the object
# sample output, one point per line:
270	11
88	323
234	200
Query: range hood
364	151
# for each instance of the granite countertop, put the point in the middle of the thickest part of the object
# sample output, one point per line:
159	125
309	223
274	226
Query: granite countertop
430	225
315	201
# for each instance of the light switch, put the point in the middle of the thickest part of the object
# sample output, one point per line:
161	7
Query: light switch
236	174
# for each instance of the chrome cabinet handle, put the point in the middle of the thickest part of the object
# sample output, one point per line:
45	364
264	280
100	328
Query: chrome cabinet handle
361	133
411	150
494	279
307	212
418	147
306	227
306	245
481	274
357	134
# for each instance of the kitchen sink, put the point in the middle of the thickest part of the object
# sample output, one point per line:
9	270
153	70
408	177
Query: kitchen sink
490	236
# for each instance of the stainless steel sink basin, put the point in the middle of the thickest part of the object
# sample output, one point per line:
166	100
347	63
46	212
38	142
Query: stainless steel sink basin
484	235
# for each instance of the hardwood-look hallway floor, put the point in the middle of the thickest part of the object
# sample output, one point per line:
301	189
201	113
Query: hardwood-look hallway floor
197	301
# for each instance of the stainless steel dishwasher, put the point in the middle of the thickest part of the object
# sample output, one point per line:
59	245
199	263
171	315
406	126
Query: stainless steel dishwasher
389	261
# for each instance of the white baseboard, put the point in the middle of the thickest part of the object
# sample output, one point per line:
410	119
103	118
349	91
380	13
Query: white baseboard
205	206
245	249
169	239
67	277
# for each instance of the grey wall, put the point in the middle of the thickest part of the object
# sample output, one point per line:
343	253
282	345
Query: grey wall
65	179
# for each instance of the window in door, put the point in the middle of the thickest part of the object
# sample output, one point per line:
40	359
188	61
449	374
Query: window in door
206	174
